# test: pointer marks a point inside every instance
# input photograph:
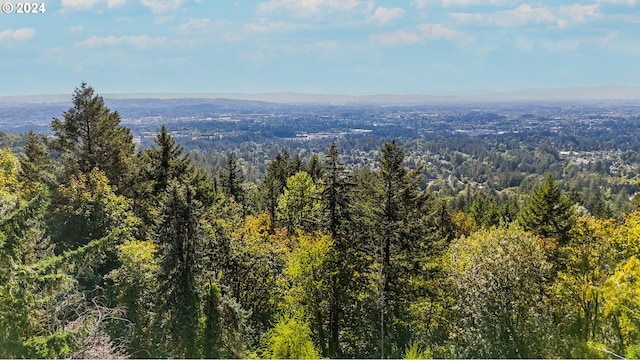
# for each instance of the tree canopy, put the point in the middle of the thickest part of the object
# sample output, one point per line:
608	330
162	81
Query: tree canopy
109	252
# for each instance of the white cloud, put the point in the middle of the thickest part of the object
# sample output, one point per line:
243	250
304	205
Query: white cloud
561	16
22	34
521	15
156	6
232	32
115	3
306	8
423	4
266	27
141	41
618	2
163	6
425	32
384	15
195	25
576	14
83	4
464	3
75	29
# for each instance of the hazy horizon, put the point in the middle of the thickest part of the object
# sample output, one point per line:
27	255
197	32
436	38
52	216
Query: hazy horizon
555	94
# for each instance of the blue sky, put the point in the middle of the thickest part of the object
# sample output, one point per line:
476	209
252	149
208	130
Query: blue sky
319	46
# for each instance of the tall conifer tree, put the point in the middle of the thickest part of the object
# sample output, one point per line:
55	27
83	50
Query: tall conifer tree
180	237
548	212
402	241
337	197
90	136
232	180
35	162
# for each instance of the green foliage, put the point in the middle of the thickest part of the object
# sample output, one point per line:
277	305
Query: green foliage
234	327
224	325
90	136
499	278
633	352
35	163
211	332
548	212
585	263
338	190
22	233
270	191
179	238
402	242
247	261
165	162
415	351
317	258
315	167
58	345
9	183
290	338
86	209
299	206
627	239
622	302
22	243
231	180
136	287
308	281
337	195
275	181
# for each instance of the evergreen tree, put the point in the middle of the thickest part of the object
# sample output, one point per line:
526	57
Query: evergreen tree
315	167
212	334
135	283
400	197
296	164
90	136
270	189
179	238
283	168
166	162
275	181
22	243
205	187
35	162
402	243
336	194
337	198
87	209
232	180
548	212
158	167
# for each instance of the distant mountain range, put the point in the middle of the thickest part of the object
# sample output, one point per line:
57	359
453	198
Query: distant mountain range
603	93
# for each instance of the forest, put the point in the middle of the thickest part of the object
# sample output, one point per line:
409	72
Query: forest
109	250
